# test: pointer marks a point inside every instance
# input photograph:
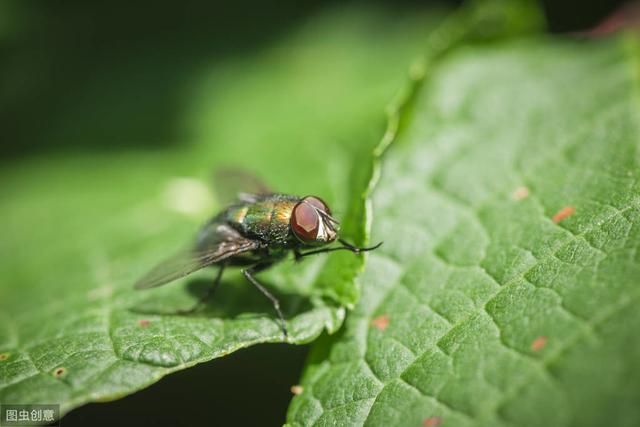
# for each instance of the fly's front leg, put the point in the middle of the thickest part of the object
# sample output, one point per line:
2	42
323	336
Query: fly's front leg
212	290
248	273
346	246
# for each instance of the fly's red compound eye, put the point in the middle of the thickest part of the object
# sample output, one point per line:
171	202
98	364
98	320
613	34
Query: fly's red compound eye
305	221
318	203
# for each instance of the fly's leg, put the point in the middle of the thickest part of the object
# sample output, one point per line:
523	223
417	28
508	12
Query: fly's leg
248	273
346	246
212	290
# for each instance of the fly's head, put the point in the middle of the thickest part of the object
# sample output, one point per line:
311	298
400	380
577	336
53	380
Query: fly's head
311	222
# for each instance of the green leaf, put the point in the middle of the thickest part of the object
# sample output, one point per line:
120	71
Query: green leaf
80	228
506	291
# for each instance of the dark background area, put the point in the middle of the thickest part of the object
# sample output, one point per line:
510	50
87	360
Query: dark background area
251	387
52	51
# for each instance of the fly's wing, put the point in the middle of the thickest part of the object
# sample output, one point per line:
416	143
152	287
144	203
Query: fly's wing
232	184
218	247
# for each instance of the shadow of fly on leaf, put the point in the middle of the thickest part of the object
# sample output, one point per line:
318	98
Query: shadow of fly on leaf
256	230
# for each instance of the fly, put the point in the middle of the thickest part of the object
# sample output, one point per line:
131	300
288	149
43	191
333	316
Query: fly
254	233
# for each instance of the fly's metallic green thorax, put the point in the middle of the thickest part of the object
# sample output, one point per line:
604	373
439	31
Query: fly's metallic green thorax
267	218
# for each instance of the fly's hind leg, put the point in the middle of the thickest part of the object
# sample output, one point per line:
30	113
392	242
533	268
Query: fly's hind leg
248	273
207	296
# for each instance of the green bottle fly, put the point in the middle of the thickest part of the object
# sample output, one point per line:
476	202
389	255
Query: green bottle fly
255	232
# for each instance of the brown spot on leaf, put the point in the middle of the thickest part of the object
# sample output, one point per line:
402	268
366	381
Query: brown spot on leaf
143	322
539	343
59	372
563	213
4	356
520	193
297	389
432	422
381	322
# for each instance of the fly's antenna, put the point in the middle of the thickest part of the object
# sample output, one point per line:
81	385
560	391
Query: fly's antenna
332	222
328	217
